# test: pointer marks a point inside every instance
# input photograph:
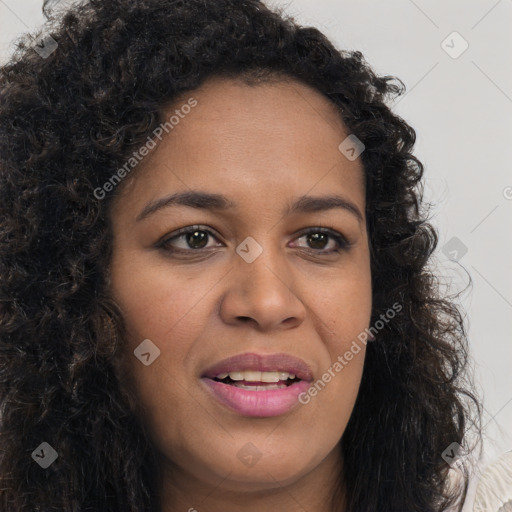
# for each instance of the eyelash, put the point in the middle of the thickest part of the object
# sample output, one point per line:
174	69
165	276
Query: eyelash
342	242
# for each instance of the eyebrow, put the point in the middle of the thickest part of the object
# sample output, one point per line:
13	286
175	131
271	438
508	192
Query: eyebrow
208	201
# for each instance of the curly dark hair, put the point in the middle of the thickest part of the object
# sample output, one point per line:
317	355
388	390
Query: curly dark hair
67	121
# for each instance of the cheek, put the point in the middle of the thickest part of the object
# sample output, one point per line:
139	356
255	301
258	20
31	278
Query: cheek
344	307
165	309
157	303
344	313
168	309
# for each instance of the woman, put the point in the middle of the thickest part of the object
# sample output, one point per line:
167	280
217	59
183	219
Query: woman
299	355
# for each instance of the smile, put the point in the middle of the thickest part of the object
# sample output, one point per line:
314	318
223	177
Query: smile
258	385
257	399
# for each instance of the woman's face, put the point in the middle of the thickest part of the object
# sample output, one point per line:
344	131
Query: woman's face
250	282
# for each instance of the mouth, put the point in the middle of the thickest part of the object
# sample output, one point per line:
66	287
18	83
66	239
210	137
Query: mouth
258	385
255	380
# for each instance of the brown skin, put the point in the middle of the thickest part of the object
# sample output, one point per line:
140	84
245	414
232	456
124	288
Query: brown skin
262	146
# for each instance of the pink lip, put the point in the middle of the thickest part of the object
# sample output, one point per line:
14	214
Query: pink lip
265	363
273	402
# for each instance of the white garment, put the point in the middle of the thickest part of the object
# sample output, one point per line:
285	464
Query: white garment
494	491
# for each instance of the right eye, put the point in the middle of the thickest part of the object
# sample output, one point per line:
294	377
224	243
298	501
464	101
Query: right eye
194	239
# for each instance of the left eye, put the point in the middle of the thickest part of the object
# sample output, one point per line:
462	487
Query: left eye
318	238
196	239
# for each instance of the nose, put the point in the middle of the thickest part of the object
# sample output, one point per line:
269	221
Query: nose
262	293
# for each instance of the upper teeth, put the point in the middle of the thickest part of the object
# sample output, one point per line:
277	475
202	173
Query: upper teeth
256	376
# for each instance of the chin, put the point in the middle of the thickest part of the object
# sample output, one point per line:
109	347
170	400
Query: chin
273	471
264	476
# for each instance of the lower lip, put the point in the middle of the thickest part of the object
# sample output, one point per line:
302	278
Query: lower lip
273	402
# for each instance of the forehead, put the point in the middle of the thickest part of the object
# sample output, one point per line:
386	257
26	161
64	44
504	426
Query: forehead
270	107
239	138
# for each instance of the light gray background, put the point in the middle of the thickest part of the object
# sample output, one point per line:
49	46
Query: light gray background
461	109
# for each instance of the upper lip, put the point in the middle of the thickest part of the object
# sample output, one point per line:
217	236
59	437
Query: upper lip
266	363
